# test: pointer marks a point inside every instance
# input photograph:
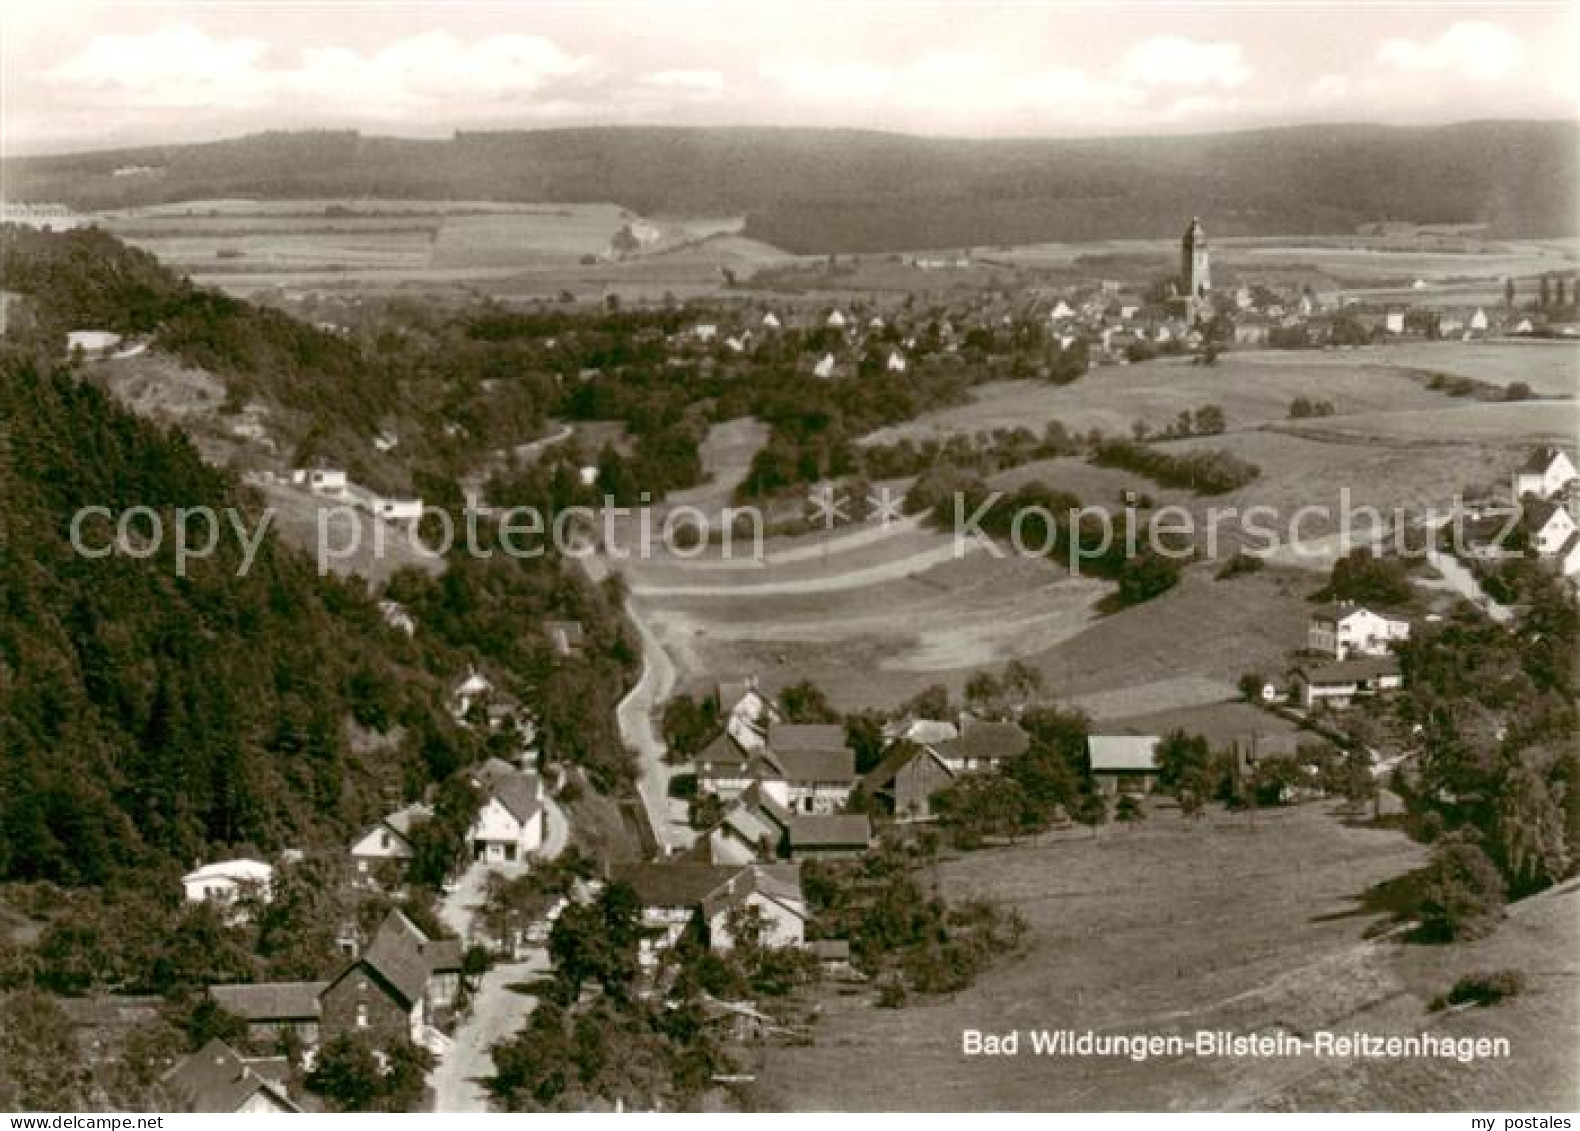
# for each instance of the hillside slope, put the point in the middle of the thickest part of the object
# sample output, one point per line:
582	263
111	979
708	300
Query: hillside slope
844	190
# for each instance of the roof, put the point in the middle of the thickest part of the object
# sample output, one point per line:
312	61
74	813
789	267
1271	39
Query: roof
837	830
1351	671
829	950
1336	611
518	793
1539	512
1119	753
241	871
402	820
397	955
722	750
444	954
806	736
924	731
269	1001
217	1079
1540	460
672	885
981	740
806	765
778	882
900	755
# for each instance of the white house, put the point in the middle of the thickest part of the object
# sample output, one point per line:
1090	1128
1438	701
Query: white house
1478	321
769	893
92	343
225	881
1061	311
397	510
1123	763
836	320
509	826
806	767
1393	322
824	367
321	480
472	688
674	895
1345	629
388	840
1544	474
770	321
1548	526
896	362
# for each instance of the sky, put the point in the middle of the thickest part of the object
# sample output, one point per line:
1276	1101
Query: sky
78	75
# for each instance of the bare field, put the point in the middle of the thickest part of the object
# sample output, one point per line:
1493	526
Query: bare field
1250	924
1550	368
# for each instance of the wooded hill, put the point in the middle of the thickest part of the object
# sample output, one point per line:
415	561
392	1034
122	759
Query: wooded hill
846	190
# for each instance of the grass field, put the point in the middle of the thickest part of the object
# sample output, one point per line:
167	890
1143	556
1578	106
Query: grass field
1249	924
528	249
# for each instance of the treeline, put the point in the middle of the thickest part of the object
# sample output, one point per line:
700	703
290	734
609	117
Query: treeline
1204	472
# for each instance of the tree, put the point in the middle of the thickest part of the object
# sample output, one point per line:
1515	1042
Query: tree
598	942
687	725
1545	293
805	702
1461	893
41	1066
346	1074
1210	420
1090	809
1528	832
1128	811
1508	292
983	692
982	806
1365	576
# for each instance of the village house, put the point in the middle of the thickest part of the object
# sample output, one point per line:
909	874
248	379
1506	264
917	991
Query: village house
905	781
224	882
1547	472
327	481
92	343
1338	684
471	689
674	896
982	745
218	1079
756	827
746	711
508	827
1345	629
567	637
1123	763
273	1010
396	989
806	767
387	843
1547	526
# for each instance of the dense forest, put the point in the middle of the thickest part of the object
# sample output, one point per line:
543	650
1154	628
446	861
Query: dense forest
848	190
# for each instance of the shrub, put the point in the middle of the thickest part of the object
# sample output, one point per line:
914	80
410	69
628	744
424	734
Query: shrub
1481	988
1462	894
1239	564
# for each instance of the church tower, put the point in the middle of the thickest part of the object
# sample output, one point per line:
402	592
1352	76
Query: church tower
1195	270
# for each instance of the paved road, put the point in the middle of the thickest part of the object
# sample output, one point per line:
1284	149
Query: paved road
497	1012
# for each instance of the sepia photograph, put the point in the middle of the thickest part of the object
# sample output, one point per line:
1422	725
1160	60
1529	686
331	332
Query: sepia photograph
602	556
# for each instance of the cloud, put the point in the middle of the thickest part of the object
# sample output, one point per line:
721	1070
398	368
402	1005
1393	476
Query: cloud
1171	60
699	84
813	80
1471	49
181	65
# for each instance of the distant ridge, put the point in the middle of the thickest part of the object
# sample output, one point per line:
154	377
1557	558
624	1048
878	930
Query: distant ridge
812	190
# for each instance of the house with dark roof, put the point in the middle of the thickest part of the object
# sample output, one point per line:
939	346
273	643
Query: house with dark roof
905	781
1545	473
217	1078
982	745
807	767
677	895
756	828
273	1009
1547	526
828	836
1339	684
388	842
396	988
721	767
1123	763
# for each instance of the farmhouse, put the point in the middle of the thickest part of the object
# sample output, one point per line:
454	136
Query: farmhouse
905	781
1345	629
387	841
326	481
982	746
1544	474
1341	682
225	881
395	989
273	1009
771	893
1547	526
748	712
806	767
722	767
1123	763
509	826
217	1078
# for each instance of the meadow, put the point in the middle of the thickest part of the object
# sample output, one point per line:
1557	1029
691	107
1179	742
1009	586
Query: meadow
1250	923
